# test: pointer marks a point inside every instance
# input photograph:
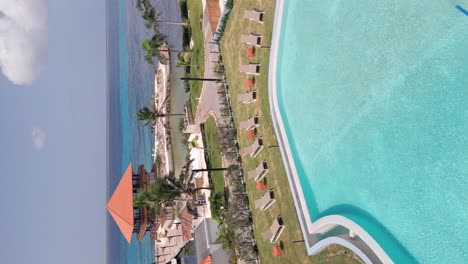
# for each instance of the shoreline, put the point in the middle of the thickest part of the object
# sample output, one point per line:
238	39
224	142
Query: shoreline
365	247
162	137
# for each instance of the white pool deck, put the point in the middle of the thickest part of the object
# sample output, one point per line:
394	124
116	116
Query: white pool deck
355	237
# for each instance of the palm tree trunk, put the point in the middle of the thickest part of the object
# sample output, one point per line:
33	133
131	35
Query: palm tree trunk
172	22
179	51
209	169
201	79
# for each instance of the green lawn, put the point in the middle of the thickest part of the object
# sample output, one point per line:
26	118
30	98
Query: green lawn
234	54
198	56
215	159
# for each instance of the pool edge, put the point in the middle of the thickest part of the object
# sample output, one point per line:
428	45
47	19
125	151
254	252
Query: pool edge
311	230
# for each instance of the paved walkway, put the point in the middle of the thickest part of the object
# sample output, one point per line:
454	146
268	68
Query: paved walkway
209	103
209	100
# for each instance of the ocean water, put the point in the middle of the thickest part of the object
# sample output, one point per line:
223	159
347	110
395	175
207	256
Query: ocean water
130	85
130	81
374	98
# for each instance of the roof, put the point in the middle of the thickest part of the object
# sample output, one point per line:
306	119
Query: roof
214	13
206	244
186	219
206	260
120	205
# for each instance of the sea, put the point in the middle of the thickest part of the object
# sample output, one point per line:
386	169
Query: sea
130	83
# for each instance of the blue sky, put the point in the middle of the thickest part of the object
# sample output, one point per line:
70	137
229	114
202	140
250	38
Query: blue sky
53	184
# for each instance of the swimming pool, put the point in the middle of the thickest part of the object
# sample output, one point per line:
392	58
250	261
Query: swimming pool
373	99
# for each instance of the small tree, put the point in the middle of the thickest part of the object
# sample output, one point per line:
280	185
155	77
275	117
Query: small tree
152	114
226	237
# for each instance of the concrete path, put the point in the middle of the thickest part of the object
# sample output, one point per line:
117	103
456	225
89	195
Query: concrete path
209	100
209	103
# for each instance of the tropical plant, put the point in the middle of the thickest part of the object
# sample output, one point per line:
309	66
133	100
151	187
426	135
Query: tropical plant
154	47
152	114
184	59
169	190
155	197
193	143
225	236
217	201
184	183
187	249
149	14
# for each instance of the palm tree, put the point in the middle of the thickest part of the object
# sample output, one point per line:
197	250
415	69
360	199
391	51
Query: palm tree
152	114
209	169
153	47
193	143
156	46
184	183
187	249
184	60
169	22
169	190
149	14
202	79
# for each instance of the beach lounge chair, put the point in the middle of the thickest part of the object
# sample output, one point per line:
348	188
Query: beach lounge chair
250	123
254	149
252	39
247	98
251	68
254	15
266	201
259	172
275	230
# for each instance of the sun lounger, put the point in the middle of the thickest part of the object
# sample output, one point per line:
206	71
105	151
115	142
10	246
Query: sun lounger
254	15
252	39
275	230
254	149
247	98
250	123
251	68
259	172
266	201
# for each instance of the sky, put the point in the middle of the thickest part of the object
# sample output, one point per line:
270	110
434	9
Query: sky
53	138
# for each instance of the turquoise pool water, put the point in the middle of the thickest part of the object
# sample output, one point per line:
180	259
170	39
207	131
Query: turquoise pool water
374	100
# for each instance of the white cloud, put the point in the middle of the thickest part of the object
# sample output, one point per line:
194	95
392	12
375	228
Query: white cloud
39	137
23	39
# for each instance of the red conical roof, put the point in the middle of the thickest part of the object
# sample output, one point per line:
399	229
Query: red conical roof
120	205
206	260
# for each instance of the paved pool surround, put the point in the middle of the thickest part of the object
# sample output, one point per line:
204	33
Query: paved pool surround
315	232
